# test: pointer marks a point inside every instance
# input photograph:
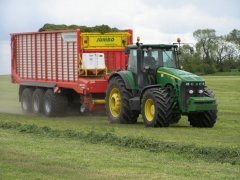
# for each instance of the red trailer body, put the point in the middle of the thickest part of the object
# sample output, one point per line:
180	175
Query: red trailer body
52	60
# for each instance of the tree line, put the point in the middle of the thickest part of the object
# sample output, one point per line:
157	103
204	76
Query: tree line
212	52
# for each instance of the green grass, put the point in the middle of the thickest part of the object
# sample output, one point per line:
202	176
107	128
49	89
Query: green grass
208	153
230	73
27	156
24	154
9	96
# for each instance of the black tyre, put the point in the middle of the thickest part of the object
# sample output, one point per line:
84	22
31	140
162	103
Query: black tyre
205	118
157	108
37	101
175	118
26	100
117	103
54	104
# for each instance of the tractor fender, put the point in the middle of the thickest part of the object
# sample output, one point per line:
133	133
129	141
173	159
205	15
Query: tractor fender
124	78
148	87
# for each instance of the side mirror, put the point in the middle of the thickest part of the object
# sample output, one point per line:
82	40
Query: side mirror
191	50
127	50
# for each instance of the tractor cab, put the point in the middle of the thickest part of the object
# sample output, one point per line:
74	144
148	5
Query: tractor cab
144	60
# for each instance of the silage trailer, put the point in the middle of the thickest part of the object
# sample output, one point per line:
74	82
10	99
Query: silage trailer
58	68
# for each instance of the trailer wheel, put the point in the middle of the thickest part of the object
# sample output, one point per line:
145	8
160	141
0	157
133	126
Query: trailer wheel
117	103
206	118
54	104
37	101
157	108
26	100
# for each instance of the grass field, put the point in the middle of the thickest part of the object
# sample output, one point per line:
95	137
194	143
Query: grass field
88	147
231	73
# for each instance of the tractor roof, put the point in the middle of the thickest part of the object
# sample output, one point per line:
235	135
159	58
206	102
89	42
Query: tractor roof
154	46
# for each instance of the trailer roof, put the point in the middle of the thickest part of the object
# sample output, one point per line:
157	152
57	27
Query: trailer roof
45	32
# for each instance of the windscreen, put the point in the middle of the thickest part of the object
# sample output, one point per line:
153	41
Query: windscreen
159	58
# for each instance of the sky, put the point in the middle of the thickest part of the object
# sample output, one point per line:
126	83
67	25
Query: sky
155	21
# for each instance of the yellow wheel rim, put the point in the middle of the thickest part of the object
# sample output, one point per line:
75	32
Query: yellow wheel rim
149	109
115	102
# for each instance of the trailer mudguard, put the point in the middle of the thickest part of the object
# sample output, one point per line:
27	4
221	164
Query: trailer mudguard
39	84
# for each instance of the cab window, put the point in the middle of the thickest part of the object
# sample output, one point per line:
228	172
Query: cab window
132	61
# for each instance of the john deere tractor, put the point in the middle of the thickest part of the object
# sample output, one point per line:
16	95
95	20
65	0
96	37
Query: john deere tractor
153	86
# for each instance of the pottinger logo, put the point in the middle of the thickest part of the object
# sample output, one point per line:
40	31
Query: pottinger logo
105	39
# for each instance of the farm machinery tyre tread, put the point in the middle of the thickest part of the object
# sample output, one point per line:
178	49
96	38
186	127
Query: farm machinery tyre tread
175	118
26	100
54	104
125	115
163	106
37	100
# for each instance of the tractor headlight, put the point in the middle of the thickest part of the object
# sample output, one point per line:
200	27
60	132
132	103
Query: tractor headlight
190	91
200	91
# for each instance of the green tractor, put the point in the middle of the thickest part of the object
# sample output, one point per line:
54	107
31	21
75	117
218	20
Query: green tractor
154	87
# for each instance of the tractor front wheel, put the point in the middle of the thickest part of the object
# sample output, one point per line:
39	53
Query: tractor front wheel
157	108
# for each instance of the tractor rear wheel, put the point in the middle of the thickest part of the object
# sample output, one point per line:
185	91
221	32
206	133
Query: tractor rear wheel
54	104
117	103
157	108
37	101
26	100
205	118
